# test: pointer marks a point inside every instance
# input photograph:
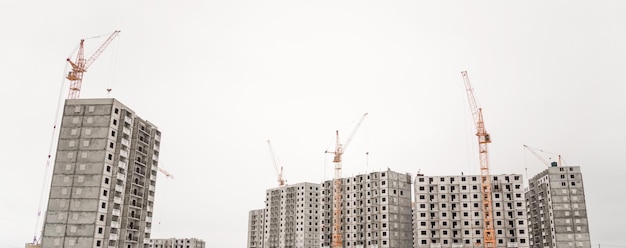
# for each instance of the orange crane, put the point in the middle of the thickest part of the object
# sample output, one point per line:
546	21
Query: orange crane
279	173
337	234
80	65
546	162
485	178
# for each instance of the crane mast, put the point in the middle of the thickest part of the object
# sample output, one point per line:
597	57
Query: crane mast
279	173
485	178
80	65
337	233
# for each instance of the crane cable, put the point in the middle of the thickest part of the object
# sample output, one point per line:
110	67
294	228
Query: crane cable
113	65
47	175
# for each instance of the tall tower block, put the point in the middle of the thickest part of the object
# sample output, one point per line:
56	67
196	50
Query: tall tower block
104	177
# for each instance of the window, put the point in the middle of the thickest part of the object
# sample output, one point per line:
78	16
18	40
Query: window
100	230
115	122
105	192
112	133
106	180
103	205
98	243
116	110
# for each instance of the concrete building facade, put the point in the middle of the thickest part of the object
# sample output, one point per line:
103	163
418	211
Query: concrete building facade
376	210
256	227
104	177
291	216
556	208
177	243
448	211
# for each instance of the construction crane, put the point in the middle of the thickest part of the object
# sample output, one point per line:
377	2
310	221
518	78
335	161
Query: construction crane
543	160
279	173
340	149
80	65
166	173
485	178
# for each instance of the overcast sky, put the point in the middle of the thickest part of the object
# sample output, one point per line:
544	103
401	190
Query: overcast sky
219	78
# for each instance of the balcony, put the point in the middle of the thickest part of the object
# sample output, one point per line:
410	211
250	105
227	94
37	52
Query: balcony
116	212
119	188
150	198
125	142
117	200
128	119
124	153
121	176
113	236
148	219
126	131
115	224
122	164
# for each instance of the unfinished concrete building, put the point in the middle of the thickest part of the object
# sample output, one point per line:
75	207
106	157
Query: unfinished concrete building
256	224
177	243
104	177
292	216
376	210
448	211
557	212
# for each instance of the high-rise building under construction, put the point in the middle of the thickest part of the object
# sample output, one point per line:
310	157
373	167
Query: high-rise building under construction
448	211
104	177
290	218
375	208
557	214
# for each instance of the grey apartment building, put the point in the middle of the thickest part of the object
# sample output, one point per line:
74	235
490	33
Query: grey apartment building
177	243
556	208
376	210
104	177
256	230
448	211
291	218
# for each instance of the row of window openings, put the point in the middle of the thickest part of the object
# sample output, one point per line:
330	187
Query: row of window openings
463	179
464	187
467	232
467	241
464	196
466	214
467	223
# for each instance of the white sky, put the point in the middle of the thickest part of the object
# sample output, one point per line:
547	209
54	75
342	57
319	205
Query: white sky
219	78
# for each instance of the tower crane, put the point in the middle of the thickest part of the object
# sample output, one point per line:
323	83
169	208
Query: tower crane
337	234
546	162
279	173
485	178
166	173
80	65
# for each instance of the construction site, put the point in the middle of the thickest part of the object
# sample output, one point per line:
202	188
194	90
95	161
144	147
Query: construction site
107	160
395	209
